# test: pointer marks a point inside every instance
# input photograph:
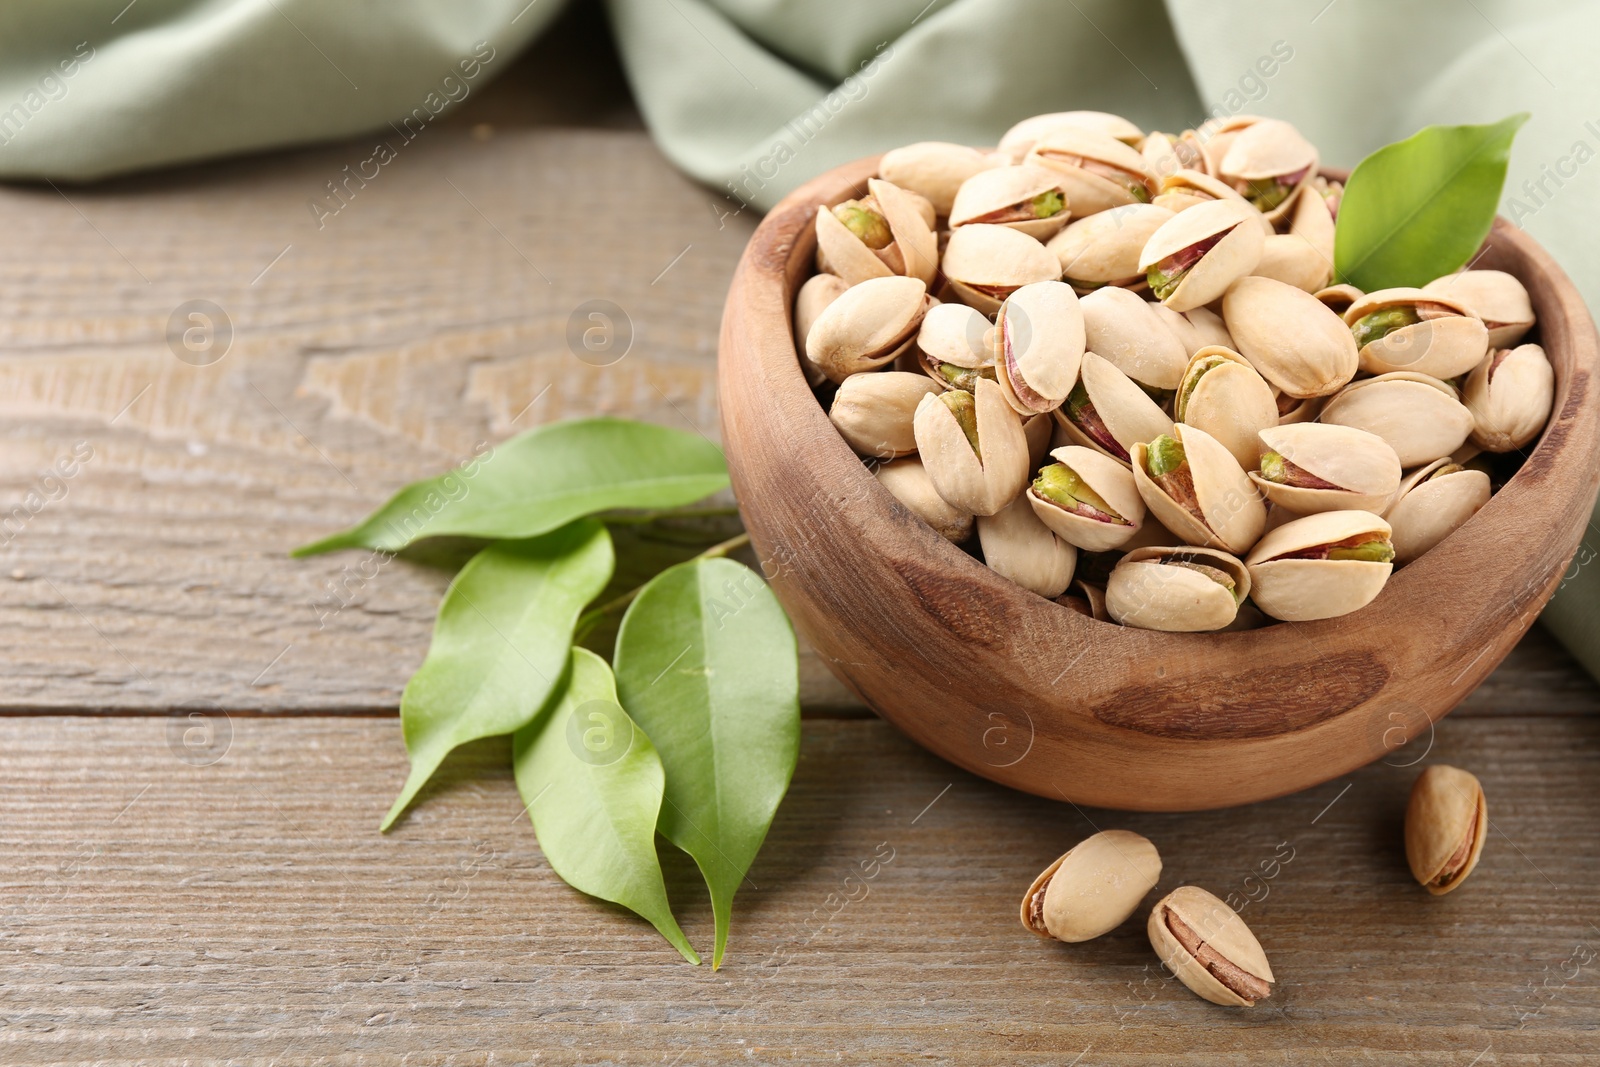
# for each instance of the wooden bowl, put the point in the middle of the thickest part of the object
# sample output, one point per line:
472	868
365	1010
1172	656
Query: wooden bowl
1023	691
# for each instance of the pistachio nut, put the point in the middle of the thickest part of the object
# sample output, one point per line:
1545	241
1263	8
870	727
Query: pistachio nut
1209	948
1023	197
1108	411
1088	499
1092	888
881	235
1122	327
1165	153
1194	486
1420	417
1016	545
1447	821
1293	260
933	169
1315	466
866	326
1290	336
1338	298
1086	599
1498	298
1097	171
955	346
1321	566
1184	189
1021	138
985	264
973	447
816	294
1103	249
1198	253
1409	329
1223	395
1180	589
1268	162
908	483
1431	504
873	412
1039	342
1510	395
1195	329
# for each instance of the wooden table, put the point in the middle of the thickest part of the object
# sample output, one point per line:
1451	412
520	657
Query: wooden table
199	734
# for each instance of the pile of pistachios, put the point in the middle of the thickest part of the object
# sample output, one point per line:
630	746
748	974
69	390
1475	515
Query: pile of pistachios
1119	360
1099	883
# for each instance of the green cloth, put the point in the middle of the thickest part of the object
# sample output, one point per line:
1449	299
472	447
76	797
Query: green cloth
754	96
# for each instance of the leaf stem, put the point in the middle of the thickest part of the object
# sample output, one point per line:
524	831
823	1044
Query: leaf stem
591	619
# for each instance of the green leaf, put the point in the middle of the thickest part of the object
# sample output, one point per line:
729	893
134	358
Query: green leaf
707	666
592	783
499	644
1418	209
543	479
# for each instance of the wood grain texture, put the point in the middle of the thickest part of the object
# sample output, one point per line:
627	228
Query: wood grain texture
246	912
956	655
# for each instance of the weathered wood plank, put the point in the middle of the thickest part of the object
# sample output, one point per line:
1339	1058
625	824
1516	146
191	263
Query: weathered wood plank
248	912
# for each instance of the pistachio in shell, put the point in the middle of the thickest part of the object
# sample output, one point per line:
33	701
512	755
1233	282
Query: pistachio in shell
814	296
1194	486
1290	336
866	326
1088	499
908	483
1024	197
1097	171
1092	888
1121	327
1103	248
1309	467
1447	821
1108	411
873	412
883	234
973	447
1016	545
1510	395
1498	298
1432	503
1195	329
1182	589
1039	345
985	264
1291	259
1223	395
955	346
1198	253
1420	417
1021	138
933	169
1209	948
1268	162
1321	566
1414	330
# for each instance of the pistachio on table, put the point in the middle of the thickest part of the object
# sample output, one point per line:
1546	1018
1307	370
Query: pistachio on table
1447	821
1209	948
1093	887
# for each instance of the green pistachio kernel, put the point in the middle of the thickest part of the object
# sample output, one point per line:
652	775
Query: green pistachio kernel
1274	468
965	409
964	377
1048	203
1266	193
1448	468
871	227
1367	552
1190	383
1380	324
1164	456
1060	484
1161	283
1078	402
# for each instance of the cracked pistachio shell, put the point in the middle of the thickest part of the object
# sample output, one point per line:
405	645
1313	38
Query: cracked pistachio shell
1127	412
1222	934
1039	343
866	326
1151	590
1270	148
1233	256
1301	590
908	483
1420	417
1093	888
1111	482
1293	260
1290	336
1020	138
1447	821
1195	329
1226	512
983	485
1510	395
957	335
1361	464
1097	171
814	296
1016	545
1103	249
1430	506
985	264
933	169
1338	298
1443	347
913	231
1223	395
912	250
1498	298
873	411
1002	188
1185	189
1122	327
